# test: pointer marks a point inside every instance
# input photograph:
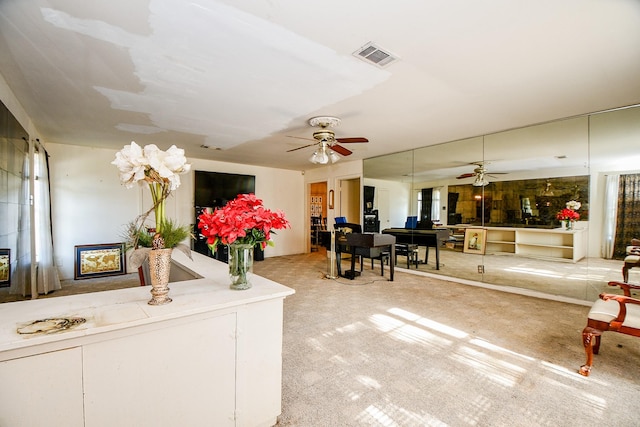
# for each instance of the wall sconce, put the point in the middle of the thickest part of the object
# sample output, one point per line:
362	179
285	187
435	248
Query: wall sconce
331	196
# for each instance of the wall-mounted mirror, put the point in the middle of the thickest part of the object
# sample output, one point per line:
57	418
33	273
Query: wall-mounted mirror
512	185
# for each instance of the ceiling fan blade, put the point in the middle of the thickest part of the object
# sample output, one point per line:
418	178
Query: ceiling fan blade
300	148
351	140
340	150
465	175
300	137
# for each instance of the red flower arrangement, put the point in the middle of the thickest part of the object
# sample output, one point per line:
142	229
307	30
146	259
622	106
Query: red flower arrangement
568	215
243	220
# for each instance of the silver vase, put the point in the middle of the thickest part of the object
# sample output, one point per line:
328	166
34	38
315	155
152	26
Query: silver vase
159	269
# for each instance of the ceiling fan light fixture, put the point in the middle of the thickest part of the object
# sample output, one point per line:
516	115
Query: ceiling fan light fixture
314	157
333	156
322	157
480	181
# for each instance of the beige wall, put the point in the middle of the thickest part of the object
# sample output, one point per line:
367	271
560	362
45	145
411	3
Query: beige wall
89	205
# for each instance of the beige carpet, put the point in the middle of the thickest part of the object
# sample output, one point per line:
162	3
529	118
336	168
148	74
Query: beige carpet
425	352
421	351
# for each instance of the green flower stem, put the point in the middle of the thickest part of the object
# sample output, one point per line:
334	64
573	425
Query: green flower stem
158	196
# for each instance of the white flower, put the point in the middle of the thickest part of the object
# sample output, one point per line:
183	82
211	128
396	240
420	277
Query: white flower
150	164
573	205
132	164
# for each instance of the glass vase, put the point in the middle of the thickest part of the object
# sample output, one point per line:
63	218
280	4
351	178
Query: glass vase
240	265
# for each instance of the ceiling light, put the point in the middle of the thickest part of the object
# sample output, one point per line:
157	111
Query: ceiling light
314	157
324	155
547	192
333	156
480	181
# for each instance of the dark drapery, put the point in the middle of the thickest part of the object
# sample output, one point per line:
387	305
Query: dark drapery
628	219
425	209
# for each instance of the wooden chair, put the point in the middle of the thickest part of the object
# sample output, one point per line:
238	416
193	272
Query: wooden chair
617	313
632	259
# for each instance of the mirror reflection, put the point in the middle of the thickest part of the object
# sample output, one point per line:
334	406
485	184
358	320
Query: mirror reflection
523	208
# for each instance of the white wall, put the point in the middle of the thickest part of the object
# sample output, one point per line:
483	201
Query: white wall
400	198
90	206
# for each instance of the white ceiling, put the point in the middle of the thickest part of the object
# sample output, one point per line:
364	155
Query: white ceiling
245	76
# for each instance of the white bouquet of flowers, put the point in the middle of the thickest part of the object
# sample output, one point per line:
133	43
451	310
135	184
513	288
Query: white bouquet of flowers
573	205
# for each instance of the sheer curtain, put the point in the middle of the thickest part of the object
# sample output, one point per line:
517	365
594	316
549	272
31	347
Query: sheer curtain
47	275
610	215
21	280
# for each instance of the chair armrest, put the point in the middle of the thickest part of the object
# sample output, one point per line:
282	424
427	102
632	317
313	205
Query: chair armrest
620	298
622	302
626	287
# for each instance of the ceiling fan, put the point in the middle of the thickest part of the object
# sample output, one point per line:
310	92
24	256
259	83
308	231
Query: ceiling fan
480	173
326	141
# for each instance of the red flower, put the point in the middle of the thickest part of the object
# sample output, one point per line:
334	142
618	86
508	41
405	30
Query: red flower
568	214
242	220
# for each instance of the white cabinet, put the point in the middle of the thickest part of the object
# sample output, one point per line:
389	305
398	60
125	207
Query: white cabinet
211	357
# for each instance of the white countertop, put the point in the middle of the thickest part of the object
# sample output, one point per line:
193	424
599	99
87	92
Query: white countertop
118	310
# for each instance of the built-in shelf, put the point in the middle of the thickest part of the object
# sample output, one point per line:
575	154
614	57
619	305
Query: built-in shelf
553	244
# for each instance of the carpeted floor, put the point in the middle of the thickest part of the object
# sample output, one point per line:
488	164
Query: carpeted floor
421	351
425	352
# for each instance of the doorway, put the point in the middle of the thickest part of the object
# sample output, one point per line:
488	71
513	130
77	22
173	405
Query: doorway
349	200
318	212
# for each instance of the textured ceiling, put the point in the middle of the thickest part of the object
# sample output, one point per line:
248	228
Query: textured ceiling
245	76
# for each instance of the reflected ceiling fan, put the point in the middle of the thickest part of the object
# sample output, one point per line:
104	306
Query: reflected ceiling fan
326	141
480	173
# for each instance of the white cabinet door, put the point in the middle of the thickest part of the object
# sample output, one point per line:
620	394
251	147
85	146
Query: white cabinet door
42	390
180	375
259	380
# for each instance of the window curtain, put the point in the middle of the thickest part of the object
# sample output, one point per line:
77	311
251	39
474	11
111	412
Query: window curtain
610	213
47	274
425	209
21	276
628	215
435	205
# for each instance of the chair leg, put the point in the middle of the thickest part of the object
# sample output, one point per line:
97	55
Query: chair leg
625	273
591	346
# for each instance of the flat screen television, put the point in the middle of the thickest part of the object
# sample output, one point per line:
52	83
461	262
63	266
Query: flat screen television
215	189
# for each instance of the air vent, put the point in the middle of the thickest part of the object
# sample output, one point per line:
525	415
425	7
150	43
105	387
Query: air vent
373	54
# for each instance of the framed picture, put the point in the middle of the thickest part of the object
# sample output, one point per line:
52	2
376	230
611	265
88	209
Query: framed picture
5	268
99	260
475	241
